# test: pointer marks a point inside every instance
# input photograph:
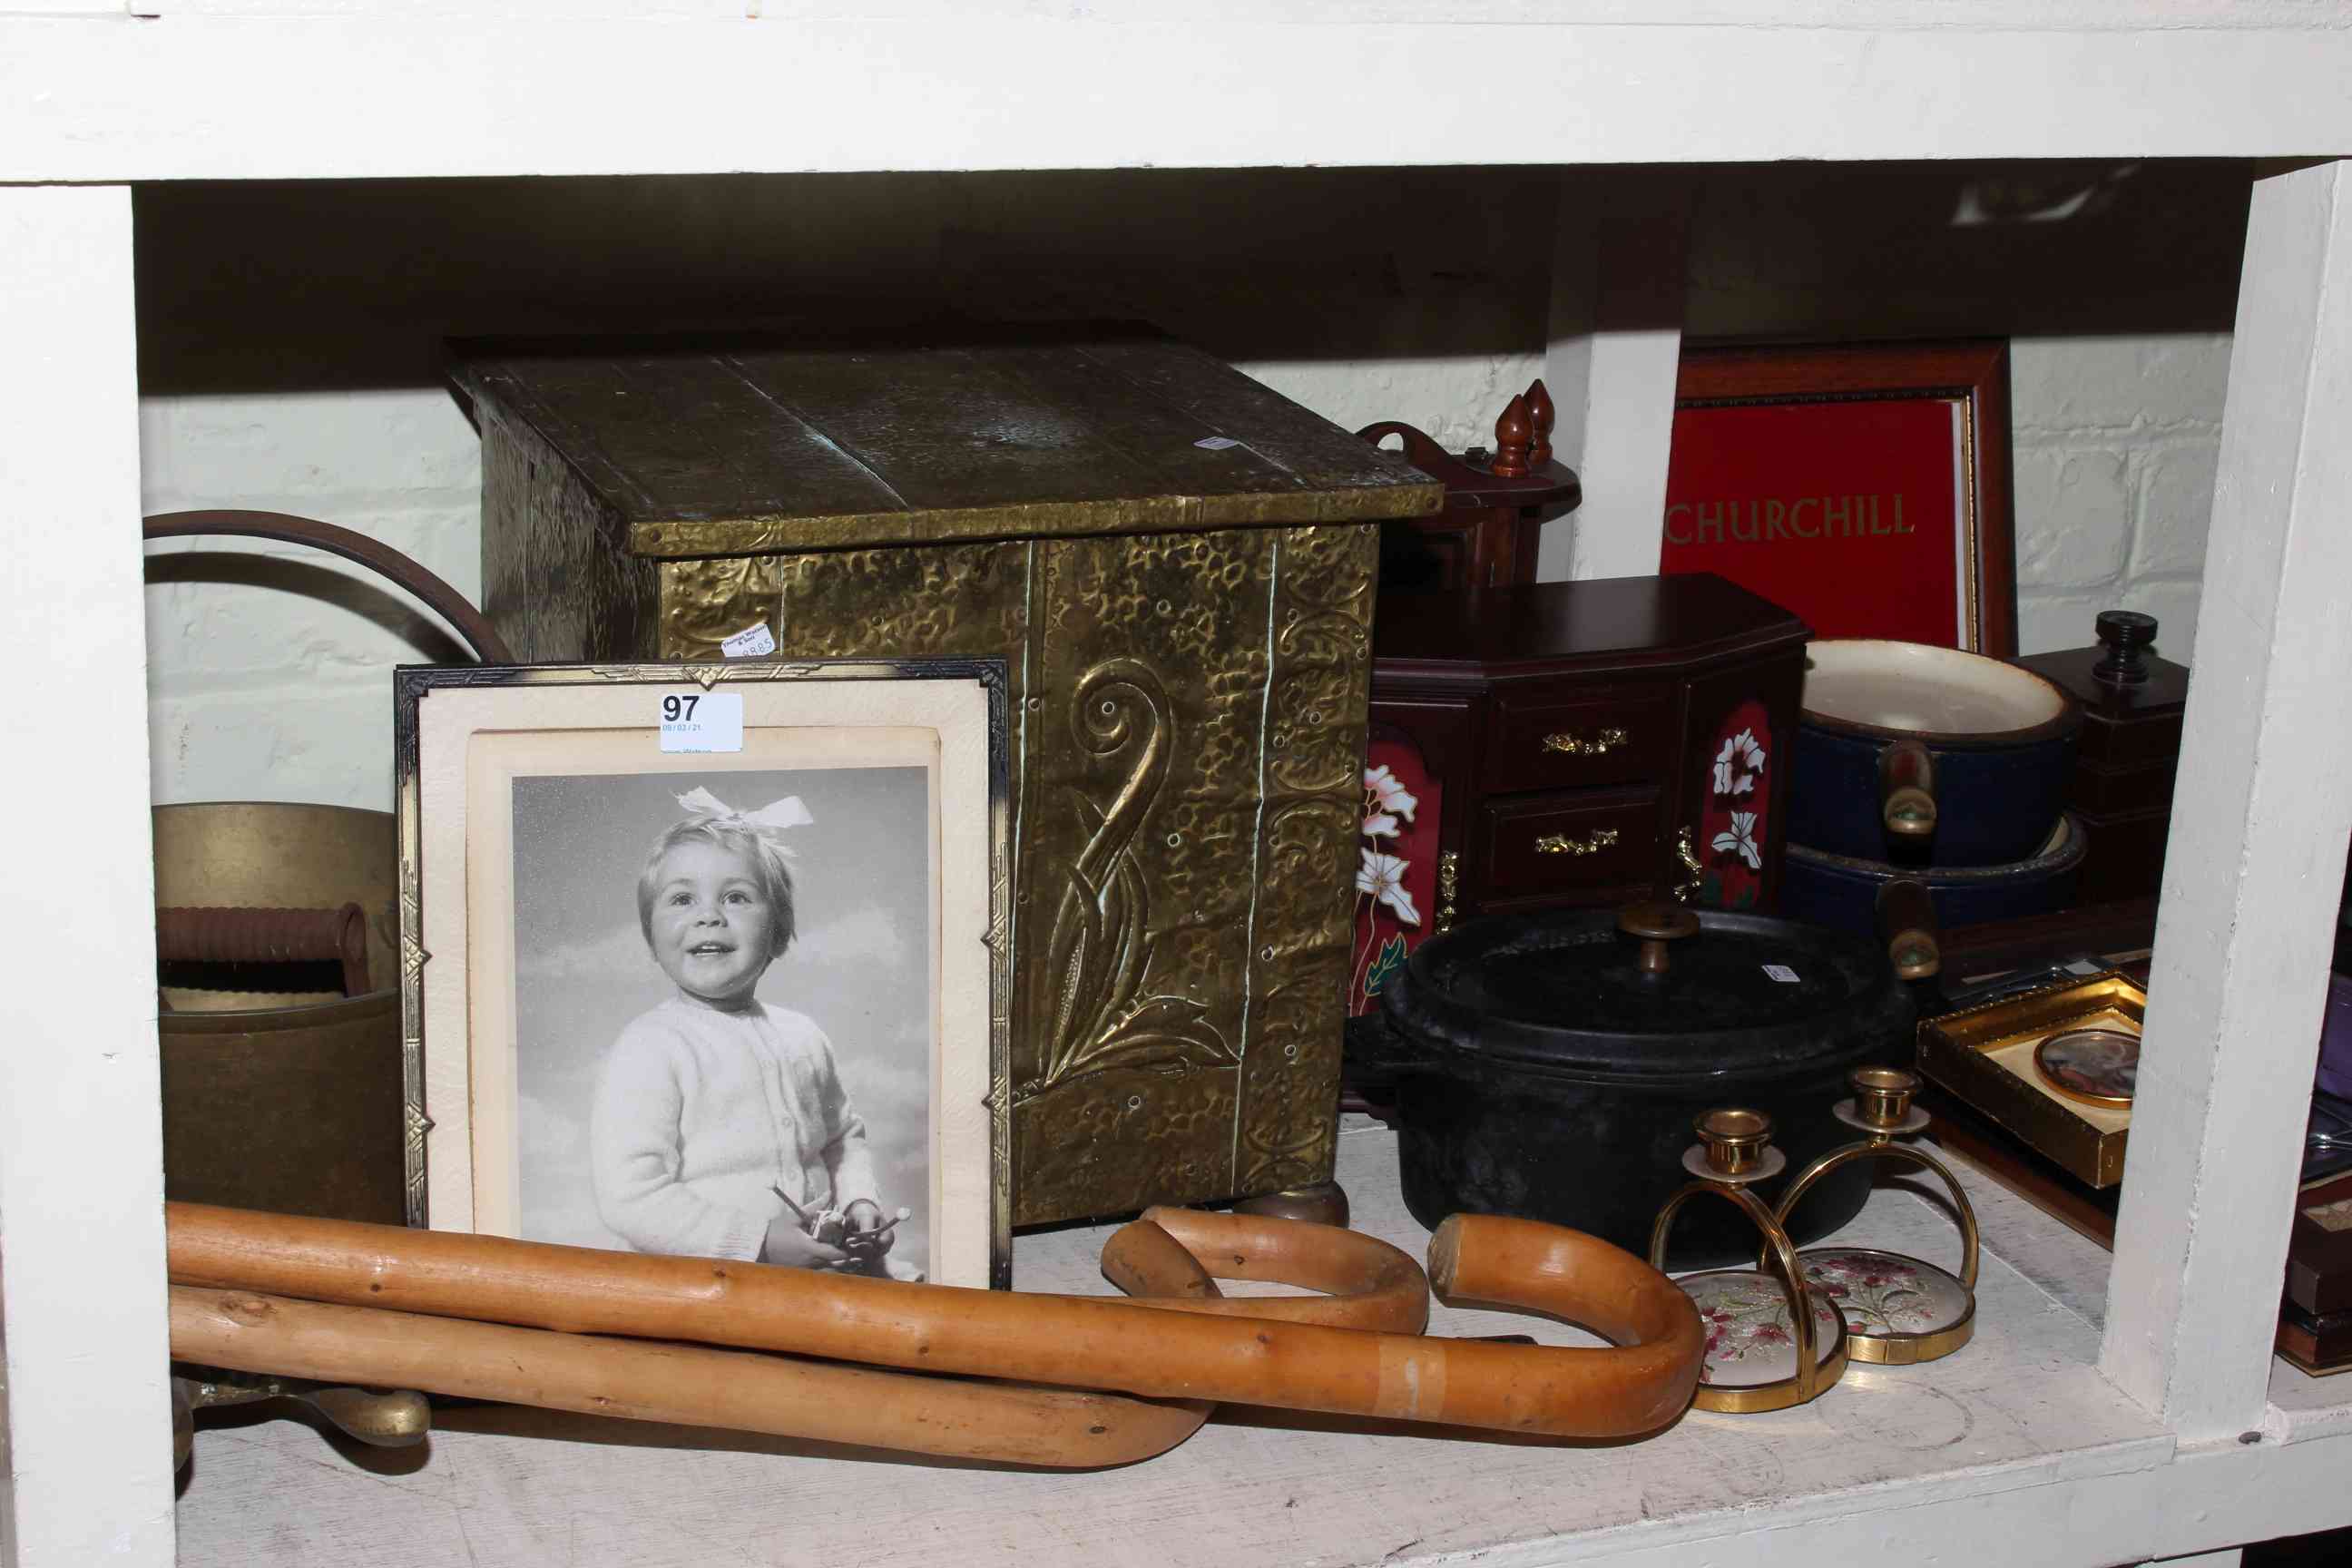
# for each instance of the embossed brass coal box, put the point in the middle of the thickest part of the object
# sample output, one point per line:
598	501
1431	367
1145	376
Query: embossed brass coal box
1176	561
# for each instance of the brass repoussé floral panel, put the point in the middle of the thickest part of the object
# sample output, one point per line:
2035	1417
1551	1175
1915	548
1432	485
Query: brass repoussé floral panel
1188	732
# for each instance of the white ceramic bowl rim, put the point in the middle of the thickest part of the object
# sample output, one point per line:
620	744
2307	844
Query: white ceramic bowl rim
1920	689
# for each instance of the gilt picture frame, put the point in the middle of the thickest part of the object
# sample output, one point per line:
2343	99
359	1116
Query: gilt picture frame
1865	487
703	959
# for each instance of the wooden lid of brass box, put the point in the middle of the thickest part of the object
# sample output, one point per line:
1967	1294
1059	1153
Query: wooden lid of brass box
752	447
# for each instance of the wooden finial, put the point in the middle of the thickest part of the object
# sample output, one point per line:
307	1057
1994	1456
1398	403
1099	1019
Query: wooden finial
1542	413
1513	431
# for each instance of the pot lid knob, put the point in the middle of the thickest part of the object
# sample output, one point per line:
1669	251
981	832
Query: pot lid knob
1656	924
1735	1143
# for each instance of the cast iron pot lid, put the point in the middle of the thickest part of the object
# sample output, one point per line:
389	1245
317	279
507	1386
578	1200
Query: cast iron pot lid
1742	996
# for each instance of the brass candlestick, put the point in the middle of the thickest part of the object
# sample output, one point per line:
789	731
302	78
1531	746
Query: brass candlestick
1898	1310
1756	1320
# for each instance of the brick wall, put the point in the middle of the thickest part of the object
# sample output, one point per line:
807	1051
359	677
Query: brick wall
268	666
2115	446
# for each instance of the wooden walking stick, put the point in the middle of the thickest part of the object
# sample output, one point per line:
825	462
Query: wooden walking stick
784	1396
742	1391
780	1396
1166	1350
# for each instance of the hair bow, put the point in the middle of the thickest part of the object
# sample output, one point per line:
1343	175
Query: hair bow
769	822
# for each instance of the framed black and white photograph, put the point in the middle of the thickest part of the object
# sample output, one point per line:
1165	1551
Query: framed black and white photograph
700	961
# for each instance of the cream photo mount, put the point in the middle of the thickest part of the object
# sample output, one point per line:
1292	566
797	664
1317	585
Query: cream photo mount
463	732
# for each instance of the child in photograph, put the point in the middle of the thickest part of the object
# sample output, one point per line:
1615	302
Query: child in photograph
721	1126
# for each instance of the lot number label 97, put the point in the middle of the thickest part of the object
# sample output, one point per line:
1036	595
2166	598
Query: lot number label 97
702	721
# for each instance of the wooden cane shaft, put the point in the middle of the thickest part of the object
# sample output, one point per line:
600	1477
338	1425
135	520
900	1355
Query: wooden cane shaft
740	1391
1082	1342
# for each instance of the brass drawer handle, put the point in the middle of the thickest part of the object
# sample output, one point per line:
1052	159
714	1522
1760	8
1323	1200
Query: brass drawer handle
1684	853
1593	843
1567	740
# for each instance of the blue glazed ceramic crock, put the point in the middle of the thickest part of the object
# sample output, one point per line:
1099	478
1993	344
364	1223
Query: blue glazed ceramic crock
1928	756
1841	892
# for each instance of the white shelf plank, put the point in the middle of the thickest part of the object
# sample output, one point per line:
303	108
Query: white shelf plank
2302	1407
2020	1407
2062	1261
197	97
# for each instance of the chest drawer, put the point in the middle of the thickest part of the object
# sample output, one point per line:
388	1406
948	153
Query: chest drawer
1540	844
1556	741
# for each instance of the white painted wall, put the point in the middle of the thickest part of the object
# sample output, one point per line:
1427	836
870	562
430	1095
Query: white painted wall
289	332
267	665
2115	449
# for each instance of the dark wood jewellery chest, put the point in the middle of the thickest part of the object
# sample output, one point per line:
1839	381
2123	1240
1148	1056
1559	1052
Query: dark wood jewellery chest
1176	564
1576	743
1496	503
2121	792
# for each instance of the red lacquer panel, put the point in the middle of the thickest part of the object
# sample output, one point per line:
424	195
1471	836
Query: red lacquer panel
1738	796
1845	512
1397	865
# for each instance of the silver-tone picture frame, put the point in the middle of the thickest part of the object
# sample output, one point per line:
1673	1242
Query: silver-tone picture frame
523	797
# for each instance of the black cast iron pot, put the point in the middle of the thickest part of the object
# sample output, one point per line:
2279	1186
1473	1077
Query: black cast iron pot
1539	1070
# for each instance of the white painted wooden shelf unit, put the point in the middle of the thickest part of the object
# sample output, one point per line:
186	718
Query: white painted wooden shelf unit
2105	1414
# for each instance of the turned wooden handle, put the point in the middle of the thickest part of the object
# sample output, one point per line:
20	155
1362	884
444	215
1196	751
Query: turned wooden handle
743	1391
1139	1250
1640	1386
1172	1349
1365	1282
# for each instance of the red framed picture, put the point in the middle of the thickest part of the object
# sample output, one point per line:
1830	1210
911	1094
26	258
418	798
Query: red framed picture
1866	488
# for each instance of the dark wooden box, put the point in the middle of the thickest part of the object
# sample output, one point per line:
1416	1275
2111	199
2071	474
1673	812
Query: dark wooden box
1496	502
1569	737
2121	793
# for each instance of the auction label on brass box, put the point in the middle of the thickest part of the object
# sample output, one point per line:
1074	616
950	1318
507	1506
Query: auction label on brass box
754	641
702	721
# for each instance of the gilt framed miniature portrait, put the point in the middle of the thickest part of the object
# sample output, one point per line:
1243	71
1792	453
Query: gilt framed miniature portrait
706	960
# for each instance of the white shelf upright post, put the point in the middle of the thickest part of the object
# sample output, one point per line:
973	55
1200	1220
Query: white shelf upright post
86	1481
2260	812
1614	348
